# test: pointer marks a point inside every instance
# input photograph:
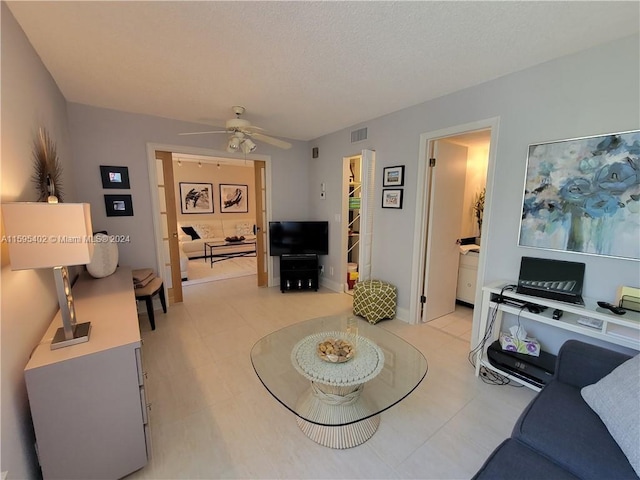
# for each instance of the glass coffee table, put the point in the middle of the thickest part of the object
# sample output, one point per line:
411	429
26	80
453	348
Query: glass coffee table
337	404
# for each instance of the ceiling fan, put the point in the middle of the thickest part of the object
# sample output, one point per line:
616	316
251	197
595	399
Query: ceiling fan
242	133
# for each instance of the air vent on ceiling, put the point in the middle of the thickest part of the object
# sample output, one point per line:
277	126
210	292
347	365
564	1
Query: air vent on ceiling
359	135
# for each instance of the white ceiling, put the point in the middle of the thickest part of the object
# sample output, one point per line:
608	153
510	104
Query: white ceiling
302	69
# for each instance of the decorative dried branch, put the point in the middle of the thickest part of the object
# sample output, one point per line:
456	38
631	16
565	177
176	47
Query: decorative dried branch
48	171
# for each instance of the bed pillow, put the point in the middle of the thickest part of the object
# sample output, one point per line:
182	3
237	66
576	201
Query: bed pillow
615	399
191	232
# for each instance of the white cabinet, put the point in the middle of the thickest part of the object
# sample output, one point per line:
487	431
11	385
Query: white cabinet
88	401
623	330
467	275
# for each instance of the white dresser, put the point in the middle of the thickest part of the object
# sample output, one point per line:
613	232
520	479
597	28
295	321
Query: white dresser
88	401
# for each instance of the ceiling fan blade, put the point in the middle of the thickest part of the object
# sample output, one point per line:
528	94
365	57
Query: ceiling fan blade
271	141
201	133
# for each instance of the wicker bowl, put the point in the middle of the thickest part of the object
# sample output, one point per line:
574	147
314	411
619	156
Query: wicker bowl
336	350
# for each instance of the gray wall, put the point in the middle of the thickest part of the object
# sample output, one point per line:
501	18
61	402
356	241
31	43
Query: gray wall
107	137
589	93
30	99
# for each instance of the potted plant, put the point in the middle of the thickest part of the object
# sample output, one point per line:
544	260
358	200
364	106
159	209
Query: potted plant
478	209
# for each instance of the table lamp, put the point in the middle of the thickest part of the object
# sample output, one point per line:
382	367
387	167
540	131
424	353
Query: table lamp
52	235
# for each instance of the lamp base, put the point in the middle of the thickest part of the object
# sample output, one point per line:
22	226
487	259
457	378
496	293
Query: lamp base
80	335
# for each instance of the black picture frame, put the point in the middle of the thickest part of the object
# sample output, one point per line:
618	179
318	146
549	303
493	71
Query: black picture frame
196	197
234	198
393	176
392	198
115	177
118	205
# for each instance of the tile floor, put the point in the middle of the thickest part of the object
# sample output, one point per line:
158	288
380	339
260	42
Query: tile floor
212	418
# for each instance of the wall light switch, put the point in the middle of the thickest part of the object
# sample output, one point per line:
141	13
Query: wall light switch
323	195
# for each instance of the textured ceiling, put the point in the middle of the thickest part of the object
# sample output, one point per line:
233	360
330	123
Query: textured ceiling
302	69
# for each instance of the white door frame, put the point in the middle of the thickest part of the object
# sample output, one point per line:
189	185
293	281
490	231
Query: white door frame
153	184
422	202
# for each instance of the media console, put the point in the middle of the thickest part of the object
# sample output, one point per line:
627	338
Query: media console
298	272
623	330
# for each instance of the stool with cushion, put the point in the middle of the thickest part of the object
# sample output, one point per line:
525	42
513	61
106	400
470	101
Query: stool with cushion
374	300
146	293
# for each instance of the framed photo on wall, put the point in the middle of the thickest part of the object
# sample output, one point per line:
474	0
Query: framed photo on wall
392	198
393	176
583	195
114	177
233	198
196	197
118	205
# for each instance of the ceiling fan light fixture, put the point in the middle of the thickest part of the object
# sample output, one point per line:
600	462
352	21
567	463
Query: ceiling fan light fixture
234	144
248	146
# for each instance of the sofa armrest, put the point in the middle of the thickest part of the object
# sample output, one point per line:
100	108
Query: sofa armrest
581	364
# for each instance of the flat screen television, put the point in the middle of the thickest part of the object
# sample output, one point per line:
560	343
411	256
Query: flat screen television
296	238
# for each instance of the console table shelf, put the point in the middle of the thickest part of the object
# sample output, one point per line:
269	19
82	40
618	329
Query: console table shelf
623	330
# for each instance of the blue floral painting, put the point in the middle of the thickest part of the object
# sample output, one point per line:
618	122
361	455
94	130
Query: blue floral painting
583	195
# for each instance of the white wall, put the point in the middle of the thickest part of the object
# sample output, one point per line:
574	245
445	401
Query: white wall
108	137
30	99
592	92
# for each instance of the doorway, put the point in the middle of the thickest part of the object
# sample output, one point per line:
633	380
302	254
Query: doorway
454	175
211	173
357	218
163	199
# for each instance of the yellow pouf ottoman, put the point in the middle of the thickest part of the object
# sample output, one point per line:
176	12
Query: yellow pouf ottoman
374	300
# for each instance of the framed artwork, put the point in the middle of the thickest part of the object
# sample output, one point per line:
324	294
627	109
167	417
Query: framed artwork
118	205
583	195
233	198
114	177
393	176
196	197
392	198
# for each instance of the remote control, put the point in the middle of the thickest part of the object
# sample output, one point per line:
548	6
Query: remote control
612	307
590	322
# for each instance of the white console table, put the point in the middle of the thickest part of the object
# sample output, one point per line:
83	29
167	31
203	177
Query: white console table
88	401
621	330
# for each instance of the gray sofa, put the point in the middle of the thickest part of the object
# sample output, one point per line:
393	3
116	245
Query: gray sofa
559	436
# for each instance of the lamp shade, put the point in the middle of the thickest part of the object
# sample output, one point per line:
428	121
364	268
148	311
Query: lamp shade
46	235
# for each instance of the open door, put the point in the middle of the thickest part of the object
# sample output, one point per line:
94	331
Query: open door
448	174
366	215
171	247
259	168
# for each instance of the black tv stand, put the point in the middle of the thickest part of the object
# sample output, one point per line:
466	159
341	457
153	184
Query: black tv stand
298	272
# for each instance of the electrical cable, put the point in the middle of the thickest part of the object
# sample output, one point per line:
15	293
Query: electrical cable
487	375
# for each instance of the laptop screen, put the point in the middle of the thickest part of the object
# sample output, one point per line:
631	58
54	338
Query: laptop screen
554	279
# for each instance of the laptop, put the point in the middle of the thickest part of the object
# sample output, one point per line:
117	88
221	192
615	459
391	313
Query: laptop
553	279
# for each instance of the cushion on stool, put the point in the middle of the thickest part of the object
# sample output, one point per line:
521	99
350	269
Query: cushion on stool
150	288
374	300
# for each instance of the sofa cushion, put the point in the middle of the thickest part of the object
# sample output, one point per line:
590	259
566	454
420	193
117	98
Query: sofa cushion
191	232
513	460
560	425
615	399
209	230
244	229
